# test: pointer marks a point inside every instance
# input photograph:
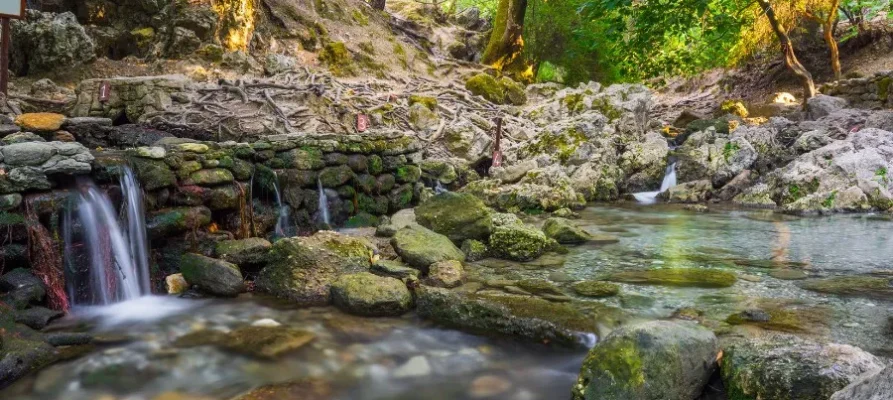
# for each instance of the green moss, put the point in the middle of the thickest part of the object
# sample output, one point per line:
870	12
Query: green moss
562	145
518	242
787	319
604	106
430	102
683	277
486	86
548	72
338	58
360	18
883	90
143	36
401	55
375	164
729	151
735	107
857	286
596	289
829	201
367	47
211	52
8	219
408	173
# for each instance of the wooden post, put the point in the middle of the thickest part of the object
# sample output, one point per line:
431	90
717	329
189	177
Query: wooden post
497	147
4	56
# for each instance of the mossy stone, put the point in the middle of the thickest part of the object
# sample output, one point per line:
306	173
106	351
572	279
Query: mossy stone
474	250
596	289
210	177
395	269
152	174
307	158
255	341
682	277
371	295
486	86
459	216
788	274
408	174
514	91
855	286
171	221
243	251
429	102
518	242
211	275
338	58
375	165
401	197
367	184
362	220
332	177
421	247
564	231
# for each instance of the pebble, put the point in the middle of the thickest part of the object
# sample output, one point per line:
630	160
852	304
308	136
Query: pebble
416	367
488	386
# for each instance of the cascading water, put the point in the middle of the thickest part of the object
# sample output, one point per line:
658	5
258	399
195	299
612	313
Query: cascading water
282	223
323	203
438	188
118	262
668	182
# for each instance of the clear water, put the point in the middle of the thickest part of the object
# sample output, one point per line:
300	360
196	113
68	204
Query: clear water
360	358
323	204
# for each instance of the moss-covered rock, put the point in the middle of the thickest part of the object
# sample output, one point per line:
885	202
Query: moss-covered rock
255	341
302	269
370	295
474	250
856	286
306	158
338	58
564	231
225	197
363	219
785	367
794	318
210	177
395	269
213	276
486	86
596	289
445	274
683	277
23	350
251	251
651	360
526	317
518	242
152	174
514	91
401	197
332	177
408	174
374	164
421	247
171	221
459	216
427	101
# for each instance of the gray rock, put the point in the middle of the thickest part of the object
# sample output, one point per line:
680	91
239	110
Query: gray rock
47	41
22	288
81	121
878	386
459	216
9	129
21	137
371	295
670	360
786	367
822	105
446	274
211	275
27	154
279	63
37	317
243	252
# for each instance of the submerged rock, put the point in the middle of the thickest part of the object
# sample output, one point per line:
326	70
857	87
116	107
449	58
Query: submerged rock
459	216
371	295
526	317
421	247
564	231
596	289
214	276
856	286
785	367
683	277
303	269
256	341
670	360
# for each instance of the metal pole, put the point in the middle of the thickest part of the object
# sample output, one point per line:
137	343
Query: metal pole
4	56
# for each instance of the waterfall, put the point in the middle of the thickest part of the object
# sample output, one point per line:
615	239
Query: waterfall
118	268
323	204
282	223
668	182
438	188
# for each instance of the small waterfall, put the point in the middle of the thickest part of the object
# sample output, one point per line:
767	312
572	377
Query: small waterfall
668	182
283	222
438	188
323	204
118	268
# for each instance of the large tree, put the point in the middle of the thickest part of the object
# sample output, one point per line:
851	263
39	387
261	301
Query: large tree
827	19
505	43
787	50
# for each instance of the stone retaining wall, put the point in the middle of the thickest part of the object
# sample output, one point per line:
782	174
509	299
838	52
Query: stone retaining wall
869	92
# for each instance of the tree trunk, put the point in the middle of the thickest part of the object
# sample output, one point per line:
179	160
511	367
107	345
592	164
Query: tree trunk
787	49
505	40
828	27
377	4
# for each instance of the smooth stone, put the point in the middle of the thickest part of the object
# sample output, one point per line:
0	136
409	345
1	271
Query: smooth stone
416	367
488	386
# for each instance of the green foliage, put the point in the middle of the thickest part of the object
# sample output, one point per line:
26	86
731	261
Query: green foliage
729	150
639	40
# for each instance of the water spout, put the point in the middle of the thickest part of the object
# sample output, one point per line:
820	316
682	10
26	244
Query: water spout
282	223
136	227
668	182
323	204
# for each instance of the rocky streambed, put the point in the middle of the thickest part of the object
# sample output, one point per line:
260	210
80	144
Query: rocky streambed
457	301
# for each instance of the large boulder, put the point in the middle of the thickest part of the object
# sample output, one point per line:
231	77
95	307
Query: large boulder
526	317
420	247
878	386
243	252
303	269
371	295
46	41
459	216
670	360
211	275
786	367
821	105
